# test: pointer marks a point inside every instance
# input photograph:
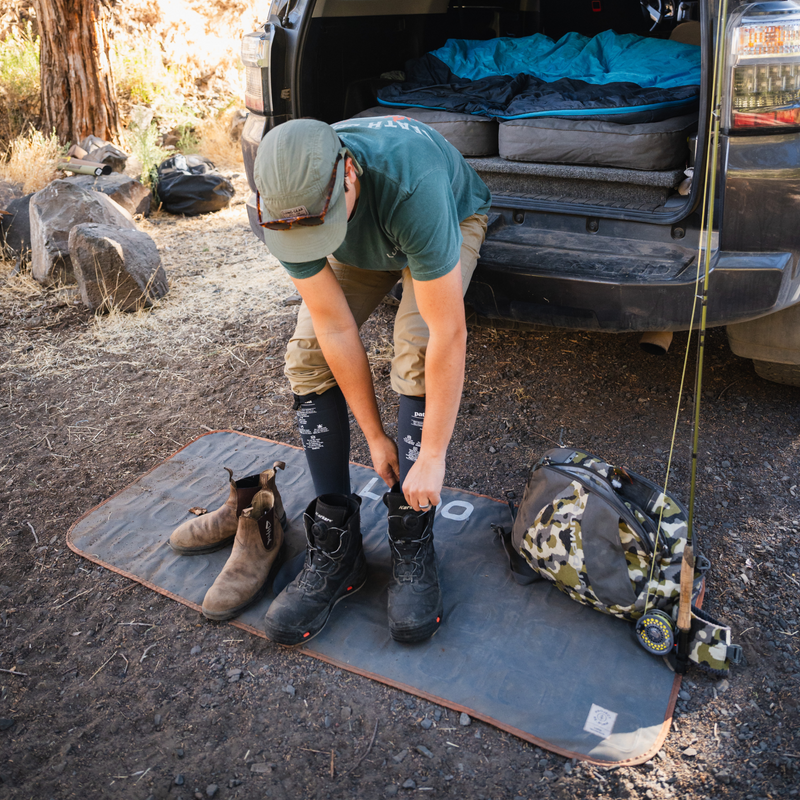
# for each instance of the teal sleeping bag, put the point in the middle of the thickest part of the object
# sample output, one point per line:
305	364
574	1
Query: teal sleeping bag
622	78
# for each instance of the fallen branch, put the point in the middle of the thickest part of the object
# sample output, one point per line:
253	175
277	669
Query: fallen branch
366	752
14	672
80	594
103	664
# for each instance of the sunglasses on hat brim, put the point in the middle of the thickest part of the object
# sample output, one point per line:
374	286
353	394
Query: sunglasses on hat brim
306	220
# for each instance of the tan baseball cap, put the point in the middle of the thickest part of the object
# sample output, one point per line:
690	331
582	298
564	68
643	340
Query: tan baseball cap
292	172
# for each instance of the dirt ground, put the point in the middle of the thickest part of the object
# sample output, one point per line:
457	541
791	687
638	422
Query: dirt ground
110	690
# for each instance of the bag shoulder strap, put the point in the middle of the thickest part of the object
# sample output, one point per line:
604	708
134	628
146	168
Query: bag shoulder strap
521	570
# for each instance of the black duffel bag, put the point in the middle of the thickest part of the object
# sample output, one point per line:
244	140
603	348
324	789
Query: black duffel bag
191	185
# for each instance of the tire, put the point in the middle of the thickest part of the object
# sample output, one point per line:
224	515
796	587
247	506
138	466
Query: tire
787	374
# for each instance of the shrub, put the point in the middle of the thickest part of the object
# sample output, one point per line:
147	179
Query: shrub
31	160
19	83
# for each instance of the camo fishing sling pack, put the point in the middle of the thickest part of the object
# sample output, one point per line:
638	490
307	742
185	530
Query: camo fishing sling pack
590	528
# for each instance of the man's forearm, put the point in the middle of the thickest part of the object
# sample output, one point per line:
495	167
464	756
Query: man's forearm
444	380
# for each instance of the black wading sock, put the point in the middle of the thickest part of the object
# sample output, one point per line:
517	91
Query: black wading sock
409	432
325	432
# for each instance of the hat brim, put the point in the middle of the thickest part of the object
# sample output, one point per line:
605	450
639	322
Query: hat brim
302	243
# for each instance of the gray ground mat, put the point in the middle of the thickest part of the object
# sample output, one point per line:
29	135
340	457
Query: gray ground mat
523	658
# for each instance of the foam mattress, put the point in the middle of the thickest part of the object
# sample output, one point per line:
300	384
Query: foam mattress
471	135
645	146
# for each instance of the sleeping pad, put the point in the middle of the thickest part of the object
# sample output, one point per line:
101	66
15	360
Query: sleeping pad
620	78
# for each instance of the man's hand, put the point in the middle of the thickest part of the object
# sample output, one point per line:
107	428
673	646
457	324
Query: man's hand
384	458
423	484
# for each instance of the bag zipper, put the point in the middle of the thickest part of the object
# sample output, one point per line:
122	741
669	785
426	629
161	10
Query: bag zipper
647	536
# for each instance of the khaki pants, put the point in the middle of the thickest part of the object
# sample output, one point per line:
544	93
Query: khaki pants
364	289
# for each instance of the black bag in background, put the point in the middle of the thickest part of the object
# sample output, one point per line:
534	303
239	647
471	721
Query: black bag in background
191	185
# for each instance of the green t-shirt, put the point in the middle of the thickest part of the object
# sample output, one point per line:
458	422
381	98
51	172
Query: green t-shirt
415	190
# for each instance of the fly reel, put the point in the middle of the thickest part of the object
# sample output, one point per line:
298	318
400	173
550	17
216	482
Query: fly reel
656	632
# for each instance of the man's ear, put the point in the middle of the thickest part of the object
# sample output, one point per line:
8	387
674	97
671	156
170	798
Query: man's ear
350	173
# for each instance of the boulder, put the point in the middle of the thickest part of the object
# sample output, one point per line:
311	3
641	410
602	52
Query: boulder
54	212
92	143
76	151
116	268
132	195
237	124
8	192
16	227
108	154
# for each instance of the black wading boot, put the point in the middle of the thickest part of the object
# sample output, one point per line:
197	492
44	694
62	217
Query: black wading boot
334	568
415	599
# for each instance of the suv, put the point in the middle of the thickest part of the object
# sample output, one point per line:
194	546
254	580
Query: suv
588	245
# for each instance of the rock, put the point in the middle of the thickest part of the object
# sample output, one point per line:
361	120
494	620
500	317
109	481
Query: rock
127	192
464	719
179	752
423	751
410	784
400	756
260	768
76	151
5	724
54	212
289	689
211	790
92	143
690	752
237	124
179	780
549	774
16	226
116	268
426	724
9	191
157	720
108	154
195	651
391	790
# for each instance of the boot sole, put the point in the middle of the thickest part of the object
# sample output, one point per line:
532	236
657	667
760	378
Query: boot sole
406	634
287	639
222	616
211	548
203	549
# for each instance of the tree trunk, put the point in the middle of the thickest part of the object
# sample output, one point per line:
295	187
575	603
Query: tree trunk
78	93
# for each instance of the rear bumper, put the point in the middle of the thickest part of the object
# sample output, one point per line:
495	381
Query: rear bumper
599	274
742	286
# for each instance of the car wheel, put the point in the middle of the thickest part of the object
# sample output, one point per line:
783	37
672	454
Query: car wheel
787	374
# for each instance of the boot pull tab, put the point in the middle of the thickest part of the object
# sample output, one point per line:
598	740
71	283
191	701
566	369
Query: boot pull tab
268	475
230	476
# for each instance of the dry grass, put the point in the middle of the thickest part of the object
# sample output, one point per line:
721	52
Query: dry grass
215	141
31	160
219	275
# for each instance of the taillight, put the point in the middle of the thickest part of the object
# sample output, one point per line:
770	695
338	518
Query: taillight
256	58
764	67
